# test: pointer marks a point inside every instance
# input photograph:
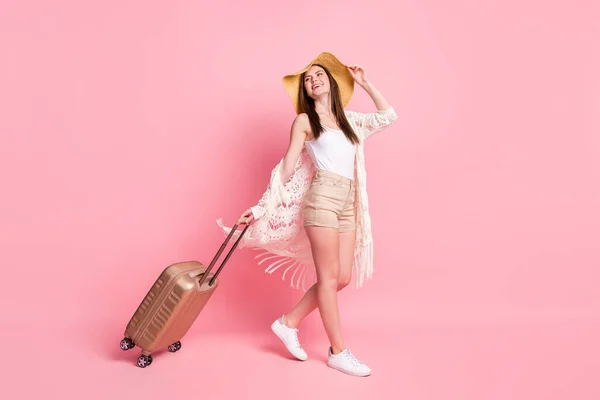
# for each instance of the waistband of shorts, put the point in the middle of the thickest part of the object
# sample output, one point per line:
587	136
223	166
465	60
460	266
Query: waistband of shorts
321	173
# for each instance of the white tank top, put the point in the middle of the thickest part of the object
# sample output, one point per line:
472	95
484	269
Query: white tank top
333	152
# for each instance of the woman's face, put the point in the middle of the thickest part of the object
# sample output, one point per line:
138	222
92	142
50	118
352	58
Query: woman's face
316	82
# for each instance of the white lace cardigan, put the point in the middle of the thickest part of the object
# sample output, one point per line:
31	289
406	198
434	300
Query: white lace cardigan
277	230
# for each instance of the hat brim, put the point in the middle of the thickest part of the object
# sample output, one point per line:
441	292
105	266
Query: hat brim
338	70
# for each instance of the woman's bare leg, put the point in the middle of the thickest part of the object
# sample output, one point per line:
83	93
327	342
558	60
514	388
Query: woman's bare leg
334	256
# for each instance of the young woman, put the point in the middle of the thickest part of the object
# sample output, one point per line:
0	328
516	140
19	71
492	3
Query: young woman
333	208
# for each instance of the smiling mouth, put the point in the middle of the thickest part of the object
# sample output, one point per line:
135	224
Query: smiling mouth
316	87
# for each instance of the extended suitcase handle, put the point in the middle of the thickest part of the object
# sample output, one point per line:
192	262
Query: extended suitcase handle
216	257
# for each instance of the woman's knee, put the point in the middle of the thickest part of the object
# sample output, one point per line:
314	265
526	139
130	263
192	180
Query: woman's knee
329	276
343	281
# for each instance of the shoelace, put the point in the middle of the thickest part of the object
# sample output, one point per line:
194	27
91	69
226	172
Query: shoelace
350	357
296	340
294	335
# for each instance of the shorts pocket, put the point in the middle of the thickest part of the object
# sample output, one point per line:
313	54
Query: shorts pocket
325	181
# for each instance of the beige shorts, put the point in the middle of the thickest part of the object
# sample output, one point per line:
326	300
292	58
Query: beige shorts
330	202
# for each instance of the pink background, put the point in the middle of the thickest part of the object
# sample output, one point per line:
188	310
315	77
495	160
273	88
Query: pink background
128	127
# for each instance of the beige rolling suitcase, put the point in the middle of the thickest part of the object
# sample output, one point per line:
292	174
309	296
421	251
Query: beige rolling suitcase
172	305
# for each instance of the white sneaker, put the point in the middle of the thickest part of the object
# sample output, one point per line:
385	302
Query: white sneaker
289	337
347	363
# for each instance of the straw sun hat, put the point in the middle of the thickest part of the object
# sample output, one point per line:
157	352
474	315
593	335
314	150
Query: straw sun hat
336	68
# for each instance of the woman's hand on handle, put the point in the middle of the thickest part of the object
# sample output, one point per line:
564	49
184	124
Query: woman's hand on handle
246	218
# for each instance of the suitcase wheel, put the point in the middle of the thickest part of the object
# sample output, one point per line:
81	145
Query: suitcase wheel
174	347
143	361
127	344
